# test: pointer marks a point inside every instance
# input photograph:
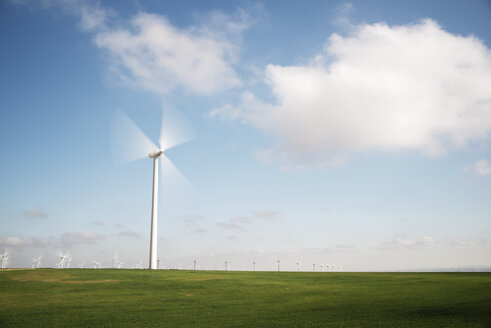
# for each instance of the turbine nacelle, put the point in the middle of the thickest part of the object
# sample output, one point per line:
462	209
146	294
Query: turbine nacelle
156	153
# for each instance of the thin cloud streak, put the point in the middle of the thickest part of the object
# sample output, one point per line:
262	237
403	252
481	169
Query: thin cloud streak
35	214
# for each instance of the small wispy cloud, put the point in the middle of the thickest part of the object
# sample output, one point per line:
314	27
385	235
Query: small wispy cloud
455	241
193	219
265	214
14	241
90	14
129	233
342	14
404	241
229	226
69	239
482	167
240	220
98	223
35	214
199	230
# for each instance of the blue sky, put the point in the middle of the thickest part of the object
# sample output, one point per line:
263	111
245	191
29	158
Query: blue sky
354	134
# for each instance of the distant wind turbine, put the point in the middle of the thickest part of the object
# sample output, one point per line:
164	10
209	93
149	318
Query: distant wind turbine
115	260
36	262
130	143
61	264
5	259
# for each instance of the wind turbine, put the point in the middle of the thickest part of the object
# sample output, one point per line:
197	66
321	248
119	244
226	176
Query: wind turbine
5	260
130	143
61	264
38	262
115	260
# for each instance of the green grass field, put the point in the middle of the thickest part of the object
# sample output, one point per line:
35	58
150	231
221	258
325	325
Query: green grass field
143	298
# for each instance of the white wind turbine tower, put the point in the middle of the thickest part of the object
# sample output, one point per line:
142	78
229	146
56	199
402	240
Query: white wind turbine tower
129	143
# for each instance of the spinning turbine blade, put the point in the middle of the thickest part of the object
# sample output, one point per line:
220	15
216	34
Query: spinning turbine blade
175	129
128	142
173	182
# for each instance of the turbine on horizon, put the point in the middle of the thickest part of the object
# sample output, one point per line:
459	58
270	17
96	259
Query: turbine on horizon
5	259
129	143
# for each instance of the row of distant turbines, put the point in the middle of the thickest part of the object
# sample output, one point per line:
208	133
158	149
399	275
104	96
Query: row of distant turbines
116	263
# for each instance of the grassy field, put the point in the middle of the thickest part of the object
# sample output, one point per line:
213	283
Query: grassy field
143	298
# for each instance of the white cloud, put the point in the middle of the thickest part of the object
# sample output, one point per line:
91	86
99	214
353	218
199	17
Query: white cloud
382	88
155	55
482	167
150	53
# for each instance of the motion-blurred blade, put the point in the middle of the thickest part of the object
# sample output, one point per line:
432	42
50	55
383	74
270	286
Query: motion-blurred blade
176	189
172	177
175	129
128	142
